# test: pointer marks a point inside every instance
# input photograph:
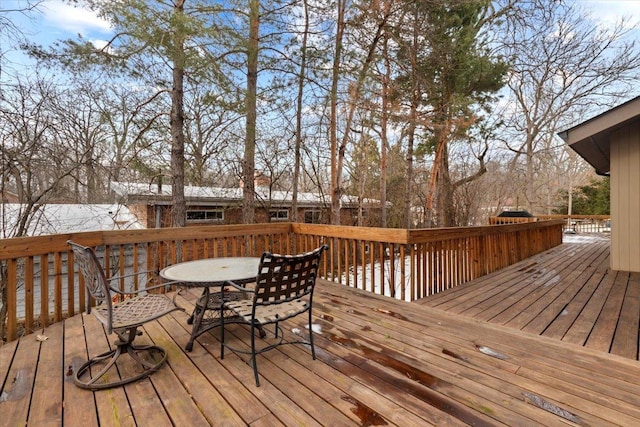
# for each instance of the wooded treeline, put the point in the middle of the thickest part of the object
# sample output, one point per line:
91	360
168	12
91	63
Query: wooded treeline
444	110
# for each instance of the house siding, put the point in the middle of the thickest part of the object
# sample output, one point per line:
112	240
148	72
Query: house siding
233	215
625	198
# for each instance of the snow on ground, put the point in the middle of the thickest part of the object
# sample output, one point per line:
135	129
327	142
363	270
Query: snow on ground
584	238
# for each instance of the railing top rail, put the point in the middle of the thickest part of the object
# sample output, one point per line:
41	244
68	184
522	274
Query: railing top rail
372	234
33	246
403	236
39	245
446	233
558	216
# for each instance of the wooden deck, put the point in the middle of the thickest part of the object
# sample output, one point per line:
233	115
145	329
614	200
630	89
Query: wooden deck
380	362
567	293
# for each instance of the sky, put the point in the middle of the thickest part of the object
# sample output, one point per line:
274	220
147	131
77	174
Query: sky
59	20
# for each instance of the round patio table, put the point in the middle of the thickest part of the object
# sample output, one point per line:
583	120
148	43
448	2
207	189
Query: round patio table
206	274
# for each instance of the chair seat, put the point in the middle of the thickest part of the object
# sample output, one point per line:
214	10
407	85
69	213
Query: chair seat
136	311
268	313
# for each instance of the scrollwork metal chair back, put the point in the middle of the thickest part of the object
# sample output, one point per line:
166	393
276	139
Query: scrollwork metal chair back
94	278
122	318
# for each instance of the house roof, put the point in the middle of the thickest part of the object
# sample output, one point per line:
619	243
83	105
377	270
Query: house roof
139	192
71	218
591	139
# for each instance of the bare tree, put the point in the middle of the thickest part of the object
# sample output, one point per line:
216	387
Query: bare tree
35	160
12	36
563	66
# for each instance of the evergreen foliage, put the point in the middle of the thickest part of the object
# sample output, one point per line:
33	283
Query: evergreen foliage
591	199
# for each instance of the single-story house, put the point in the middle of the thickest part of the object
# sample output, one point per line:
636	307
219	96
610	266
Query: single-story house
610	142
56	218
219	205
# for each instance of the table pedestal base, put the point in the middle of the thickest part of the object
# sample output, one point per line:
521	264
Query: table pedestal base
206	314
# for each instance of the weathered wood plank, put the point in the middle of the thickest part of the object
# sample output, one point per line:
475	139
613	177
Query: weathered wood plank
507	383
379	361
16	394
287	409
146	405
273	371
7	351
560	293
212	368
485	287
197	392
112	405
610	405
515	288
570	312
579	332
569	285
601	336
625	340
46	407
79	407
172	390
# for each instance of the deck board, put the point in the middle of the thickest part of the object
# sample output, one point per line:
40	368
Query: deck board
567	293
74	355
380	361
625	341
20	382
47	389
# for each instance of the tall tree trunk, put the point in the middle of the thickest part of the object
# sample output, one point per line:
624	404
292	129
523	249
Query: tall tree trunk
248	172
413	117
446	209
384	140
413	113
179	210
92	196
336	191
4	296
298	143
530	180
432	191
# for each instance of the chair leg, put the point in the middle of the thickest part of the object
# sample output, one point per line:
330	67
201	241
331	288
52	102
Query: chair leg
221	334
254	357
313	349
196	317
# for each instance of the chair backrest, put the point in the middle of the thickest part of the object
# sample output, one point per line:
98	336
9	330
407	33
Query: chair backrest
94	278
284	278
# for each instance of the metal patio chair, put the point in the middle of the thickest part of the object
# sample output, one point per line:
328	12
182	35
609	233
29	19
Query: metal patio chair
284	289
122	318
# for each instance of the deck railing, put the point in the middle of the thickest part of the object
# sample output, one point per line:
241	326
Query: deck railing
572	223
583	223
406	264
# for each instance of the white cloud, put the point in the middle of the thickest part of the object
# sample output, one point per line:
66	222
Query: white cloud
74	19
609	12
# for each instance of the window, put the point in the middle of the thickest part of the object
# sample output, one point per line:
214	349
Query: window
279	215
313	217
205	215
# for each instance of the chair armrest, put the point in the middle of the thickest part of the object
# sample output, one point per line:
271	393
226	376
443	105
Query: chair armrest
149	288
